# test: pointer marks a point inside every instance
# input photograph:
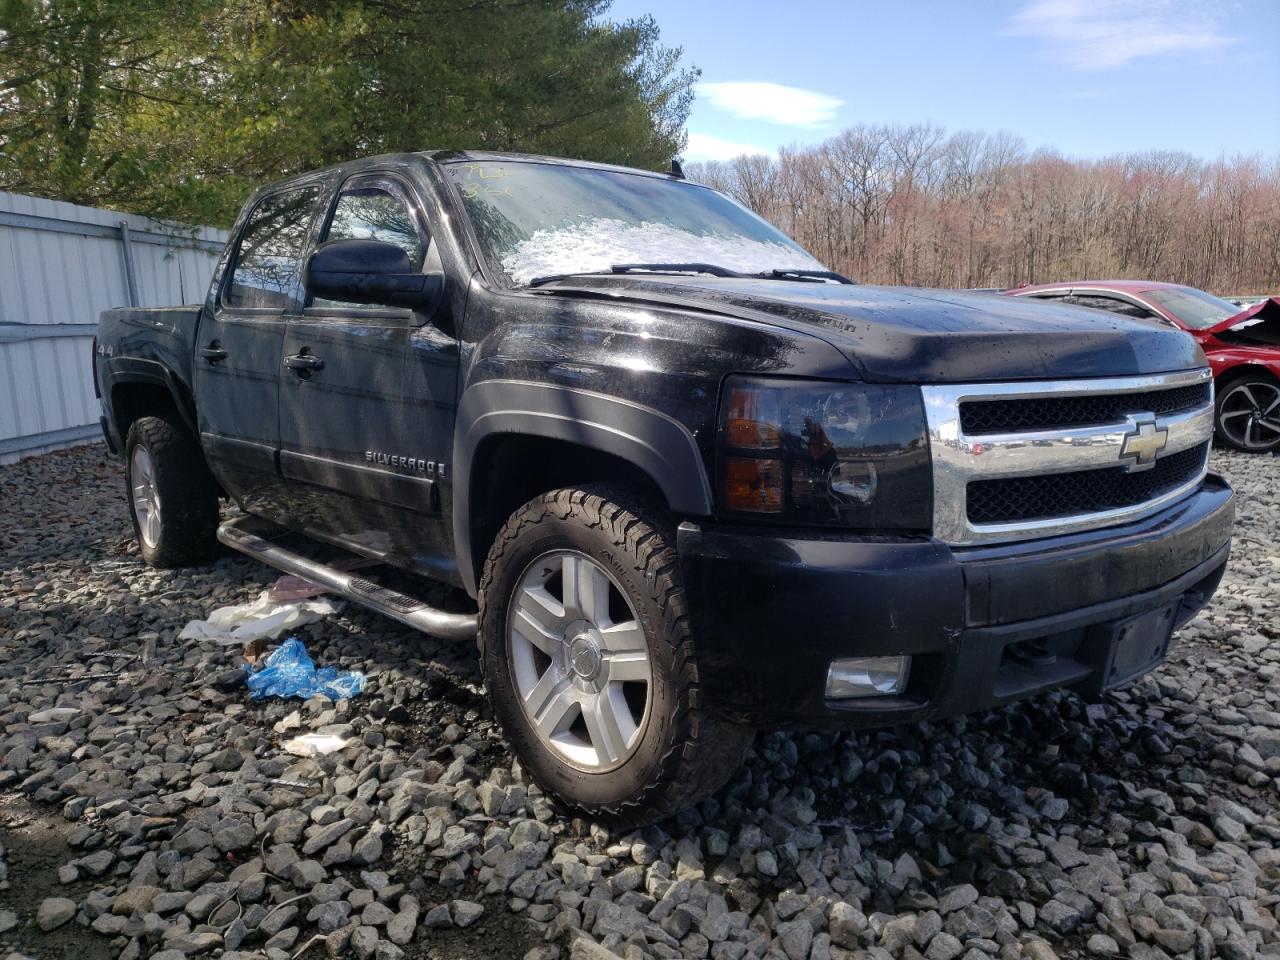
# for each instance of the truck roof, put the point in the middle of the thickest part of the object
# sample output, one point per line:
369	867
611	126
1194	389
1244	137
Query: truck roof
447	156
462	156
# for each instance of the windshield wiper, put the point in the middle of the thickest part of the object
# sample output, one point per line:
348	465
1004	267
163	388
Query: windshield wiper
621	268
557	277
806	276
708	268
711	269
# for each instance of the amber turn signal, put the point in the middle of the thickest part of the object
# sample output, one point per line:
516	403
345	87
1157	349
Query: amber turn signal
751	418
753	486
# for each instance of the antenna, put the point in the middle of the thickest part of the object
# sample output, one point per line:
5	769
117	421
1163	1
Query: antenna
676	169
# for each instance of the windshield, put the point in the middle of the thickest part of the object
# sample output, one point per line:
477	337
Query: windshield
543	219
1193	307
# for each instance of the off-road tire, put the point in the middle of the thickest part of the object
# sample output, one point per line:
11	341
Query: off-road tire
187	490
685	753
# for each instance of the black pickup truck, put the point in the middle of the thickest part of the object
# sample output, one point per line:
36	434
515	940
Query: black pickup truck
693	482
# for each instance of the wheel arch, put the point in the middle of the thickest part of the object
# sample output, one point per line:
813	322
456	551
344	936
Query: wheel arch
1224	383
517	439
1244	369
148	389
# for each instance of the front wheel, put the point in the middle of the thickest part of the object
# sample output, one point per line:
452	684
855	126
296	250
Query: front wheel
173	497
589	660
1248	414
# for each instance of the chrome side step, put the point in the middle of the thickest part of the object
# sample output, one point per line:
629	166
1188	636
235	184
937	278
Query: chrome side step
242	534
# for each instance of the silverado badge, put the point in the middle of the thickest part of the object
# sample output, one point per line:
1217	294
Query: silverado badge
431	468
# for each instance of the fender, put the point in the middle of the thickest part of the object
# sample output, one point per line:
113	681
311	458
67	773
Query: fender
1227	362
657	444
125	370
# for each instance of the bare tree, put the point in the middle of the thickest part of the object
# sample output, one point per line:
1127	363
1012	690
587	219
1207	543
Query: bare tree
914	205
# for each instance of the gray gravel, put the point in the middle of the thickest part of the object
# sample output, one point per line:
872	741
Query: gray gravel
163	818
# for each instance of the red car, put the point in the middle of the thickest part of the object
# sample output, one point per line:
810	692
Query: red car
1243	346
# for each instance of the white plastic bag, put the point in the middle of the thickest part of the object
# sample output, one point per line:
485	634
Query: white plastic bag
262	619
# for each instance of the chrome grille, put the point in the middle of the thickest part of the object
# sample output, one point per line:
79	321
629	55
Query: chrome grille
1084	491
1016	461
1032	413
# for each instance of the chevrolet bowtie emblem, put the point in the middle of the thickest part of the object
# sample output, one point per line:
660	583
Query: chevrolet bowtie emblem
1142	444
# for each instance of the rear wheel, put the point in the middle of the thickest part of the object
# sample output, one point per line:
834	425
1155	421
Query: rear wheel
1248	414
173	497
590	663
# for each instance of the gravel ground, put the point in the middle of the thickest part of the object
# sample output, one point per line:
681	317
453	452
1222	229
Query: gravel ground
160	817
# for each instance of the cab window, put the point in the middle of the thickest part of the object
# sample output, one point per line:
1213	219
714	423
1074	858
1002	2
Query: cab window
377	211
269	260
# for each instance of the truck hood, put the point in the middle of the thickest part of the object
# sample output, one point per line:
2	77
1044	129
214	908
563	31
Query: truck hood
910	335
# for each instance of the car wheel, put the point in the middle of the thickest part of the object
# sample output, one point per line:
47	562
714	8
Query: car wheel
589	660
173	497
1248	414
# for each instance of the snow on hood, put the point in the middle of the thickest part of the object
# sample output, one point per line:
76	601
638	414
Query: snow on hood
599	244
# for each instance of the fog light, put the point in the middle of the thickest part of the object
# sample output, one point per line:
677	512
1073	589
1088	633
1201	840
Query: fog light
867	677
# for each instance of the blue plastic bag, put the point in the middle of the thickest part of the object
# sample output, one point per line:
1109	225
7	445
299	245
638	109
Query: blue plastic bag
289	672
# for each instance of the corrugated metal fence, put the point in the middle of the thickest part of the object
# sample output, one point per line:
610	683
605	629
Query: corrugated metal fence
60	266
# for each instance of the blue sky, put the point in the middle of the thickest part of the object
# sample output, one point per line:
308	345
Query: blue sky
1088	77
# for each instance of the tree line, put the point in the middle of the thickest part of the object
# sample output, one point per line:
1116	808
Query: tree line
915	205
178	108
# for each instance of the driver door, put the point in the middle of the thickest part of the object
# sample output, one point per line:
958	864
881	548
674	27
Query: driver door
359	437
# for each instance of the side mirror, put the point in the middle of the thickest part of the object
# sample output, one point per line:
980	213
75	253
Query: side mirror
371	272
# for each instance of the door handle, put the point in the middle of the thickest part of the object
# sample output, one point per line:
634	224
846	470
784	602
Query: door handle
213	353
303	363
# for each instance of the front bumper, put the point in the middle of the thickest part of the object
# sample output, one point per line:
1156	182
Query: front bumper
771	611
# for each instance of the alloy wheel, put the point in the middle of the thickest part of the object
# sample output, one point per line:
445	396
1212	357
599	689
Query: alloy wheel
579	660
146	495
1250	415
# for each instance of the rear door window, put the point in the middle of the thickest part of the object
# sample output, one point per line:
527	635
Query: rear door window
269	262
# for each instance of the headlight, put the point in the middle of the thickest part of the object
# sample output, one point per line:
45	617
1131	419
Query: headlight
805	451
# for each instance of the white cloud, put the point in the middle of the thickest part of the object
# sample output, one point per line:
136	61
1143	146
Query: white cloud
705	146
1105	34
789	106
